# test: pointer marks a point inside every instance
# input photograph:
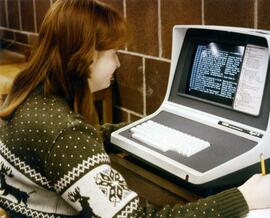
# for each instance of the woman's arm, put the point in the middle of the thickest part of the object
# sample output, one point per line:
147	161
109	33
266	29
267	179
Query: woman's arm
229	203
106	130
83	176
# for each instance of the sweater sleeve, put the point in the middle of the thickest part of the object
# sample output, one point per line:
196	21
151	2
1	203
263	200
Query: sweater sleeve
106	130
227	204
80	172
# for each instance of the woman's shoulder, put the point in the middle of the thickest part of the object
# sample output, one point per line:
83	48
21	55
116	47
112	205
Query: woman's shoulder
41	111
46	102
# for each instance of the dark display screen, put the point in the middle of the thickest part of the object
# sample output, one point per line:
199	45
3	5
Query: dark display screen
215	72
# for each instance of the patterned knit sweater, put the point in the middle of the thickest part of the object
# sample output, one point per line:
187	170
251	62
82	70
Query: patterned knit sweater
53	164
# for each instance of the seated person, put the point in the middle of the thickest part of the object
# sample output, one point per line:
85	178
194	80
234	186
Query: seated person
52	159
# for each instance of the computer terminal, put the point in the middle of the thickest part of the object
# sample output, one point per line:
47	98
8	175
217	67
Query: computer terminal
212	126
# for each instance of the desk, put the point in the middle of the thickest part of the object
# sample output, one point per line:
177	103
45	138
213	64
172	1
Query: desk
153	187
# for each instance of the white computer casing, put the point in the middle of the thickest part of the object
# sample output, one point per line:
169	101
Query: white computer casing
242	161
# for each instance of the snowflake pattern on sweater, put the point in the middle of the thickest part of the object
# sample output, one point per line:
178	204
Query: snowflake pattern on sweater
53	164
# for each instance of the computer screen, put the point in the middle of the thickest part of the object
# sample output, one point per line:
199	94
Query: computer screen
229	75
215	72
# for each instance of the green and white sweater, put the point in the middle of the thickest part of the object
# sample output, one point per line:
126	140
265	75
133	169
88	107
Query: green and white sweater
53	164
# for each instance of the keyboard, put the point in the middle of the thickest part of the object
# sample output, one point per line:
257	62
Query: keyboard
165	138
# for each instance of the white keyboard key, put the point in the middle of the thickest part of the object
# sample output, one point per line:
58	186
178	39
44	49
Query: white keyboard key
150	142
165	138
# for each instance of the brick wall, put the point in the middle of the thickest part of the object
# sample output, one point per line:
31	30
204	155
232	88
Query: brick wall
142	79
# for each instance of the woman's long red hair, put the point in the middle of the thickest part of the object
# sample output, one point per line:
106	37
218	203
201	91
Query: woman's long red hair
70	33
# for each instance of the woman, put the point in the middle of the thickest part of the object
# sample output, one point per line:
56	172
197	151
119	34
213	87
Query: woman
52	161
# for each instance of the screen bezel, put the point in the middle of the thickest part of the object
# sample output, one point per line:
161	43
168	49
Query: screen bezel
192	35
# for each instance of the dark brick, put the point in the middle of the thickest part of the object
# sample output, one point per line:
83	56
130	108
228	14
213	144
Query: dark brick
142	17
128	87
42	7
156	75
119	115
134	118
13	14
21	37
27	13
177	12
3	13
9	35
229	13
263	14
